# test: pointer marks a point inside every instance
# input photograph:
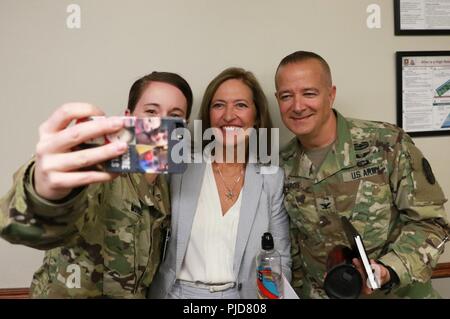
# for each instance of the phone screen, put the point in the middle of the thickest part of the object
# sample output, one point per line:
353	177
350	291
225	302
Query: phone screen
149	145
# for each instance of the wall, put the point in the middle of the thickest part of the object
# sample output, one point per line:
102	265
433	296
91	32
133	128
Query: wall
44	64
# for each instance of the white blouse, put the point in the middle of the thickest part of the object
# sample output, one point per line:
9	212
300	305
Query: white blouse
210	251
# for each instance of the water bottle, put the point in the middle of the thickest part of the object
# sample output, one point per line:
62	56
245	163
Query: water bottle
268	270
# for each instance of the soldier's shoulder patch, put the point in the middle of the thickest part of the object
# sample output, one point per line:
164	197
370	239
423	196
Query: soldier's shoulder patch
428	171
426	189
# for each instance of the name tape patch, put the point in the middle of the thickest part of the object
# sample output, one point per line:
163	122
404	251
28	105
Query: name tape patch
362	173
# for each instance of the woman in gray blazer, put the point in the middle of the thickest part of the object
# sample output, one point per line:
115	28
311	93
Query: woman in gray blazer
222	206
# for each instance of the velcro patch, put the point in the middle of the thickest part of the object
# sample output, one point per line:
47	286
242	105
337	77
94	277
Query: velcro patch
424	190
362	173
428	171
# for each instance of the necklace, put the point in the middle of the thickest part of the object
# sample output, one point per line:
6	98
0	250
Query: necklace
230	191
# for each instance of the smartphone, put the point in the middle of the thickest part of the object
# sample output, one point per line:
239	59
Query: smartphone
150	143
357	244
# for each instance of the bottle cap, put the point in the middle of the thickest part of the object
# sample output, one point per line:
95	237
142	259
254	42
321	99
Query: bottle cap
267	241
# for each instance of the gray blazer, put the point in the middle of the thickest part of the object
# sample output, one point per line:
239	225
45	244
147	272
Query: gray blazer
262	210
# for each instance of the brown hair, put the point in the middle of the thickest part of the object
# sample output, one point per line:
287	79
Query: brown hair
174	79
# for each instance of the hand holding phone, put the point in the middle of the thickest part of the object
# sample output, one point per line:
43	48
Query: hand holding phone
58	167
149	145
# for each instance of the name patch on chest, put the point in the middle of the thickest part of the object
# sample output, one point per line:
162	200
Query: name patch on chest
362	173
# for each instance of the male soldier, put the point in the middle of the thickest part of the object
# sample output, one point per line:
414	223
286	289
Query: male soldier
369	172
102	233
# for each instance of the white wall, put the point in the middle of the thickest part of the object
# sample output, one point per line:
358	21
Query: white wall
44	64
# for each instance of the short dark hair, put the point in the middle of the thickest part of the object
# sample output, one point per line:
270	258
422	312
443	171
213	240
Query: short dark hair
174	79
300	56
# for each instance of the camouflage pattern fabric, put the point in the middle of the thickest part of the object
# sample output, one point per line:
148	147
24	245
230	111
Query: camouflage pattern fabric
104	242
376	177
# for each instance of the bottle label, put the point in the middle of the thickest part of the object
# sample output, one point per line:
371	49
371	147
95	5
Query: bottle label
267	283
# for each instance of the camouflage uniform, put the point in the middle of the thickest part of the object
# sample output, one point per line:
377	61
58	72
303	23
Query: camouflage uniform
109	233
378	179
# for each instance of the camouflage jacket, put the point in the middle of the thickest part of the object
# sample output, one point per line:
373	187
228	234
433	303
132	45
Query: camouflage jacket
103	242
378	179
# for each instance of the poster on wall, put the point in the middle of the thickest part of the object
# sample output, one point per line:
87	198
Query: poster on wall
422	17
423	92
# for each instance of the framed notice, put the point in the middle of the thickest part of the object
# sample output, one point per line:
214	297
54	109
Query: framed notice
423	92
422	17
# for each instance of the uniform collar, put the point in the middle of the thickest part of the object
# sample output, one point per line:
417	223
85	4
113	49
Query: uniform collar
291	156
340	156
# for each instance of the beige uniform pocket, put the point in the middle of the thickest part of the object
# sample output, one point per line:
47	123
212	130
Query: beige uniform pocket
372	212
